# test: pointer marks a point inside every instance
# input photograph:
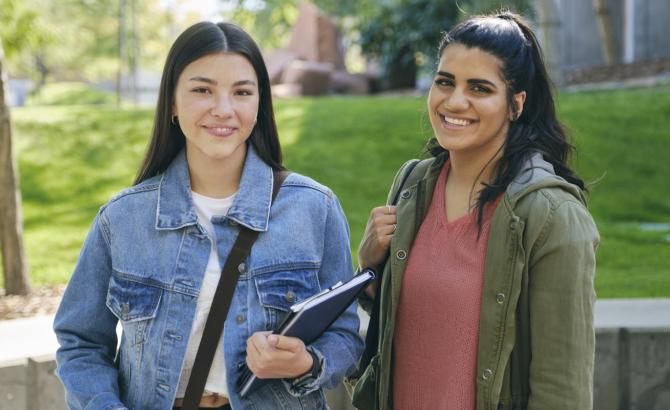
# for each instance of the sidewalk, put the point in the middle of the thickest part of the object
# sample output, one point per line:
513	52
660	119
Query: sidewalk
23	338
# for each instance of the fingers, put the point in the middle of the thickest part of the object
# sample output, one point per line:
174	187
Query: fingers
383	210
379	231
274	356
383	220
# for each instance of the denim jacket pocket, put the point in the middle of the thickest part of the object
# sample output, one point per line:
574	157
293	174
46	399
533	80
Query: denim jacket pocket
132	301
278	290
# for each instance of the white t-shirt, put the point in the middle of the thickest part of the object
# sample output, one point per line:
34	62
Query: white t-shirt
205	208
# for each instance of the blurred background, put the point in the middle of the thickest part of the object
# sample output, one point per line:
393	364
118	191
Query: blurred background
350	80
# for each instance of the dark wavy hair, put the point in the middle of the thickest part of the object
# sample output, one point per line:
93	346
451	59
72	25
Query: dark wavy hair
197	41
509	37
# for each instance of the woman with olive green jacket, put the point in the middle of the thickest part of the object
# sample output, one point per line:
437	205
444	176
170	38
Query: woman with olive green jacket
537	286
486	297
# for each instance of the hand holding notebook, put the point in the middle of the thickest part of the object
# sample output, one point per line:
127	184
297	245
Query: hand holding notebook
309	318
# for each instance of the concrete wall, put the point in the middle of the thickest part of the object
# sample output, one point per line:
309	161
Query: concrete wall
580	34
632	369
31	384
632	372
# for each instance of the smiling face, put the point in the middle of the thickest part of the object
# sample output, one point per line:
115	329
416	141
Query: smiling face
468	102
216	103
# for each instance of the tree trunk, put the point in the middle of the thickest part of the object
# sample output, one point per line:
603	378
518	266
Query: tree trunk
549	19
14	264
609	47
402	70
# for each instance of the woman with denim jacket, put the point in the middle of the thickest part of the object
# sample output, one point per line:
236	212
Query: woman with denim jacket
153	256
486	298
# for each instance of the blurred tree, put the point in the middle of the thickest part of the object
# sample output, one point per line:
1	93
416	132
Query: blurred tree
23	34
267	21
605	23
79	39
402	35
14	263
549	25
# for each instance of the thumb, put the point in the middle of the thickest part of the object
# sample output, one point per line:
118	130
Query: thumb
273	340
292	344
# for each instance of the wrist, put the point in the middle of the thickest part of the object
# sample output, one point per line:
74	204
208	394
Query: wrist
313	366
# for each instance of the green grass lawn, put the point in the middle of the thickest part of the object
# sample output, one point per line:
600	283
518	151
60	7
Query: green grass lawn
73	158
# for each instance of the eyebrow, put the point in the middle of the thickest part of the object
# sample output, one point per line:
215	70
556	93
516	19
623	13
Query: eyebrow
470	81
214	82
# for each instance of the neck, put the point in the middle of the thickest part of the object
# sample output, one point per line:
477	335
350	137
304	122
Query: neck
473	169
216	179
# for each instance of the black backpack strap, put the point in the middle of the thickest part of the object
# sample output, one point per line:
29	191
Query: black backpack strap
219	309
409	167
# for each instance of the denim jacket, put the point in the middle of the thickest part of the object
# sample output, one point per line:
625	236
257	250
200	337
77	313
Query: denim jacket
142	265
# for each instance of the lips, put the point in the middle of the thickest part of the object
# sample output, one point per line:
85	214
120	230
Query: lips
219	131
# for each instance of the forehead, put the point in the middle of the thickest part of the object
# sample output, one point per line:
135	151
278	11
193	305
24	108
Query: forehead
467	62
223	67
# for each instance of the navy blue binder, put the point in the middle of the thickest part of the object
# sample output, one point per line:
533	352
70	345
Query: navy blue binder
308	319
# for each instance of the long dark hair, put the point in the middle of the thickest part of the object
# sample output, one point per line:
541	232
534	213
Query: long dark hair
197	41
509	37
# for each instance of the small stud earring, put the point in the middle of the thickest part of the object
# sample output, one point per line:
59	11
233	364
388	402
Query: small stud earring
174	119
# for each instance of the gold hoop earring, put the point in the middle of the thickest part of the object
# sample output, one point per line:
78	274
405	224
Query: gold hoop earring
174	119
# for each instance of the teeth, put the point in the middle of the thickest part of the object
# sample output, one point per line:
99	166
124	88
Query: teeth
223	129
456	121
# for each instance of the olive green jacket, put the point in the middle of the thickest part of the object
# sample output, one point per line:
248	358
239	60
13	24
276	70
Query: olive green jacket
536	338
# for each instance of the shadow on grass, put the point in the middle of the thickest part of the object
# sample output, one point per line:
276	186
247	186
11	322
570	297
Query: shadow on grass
354	146
72	162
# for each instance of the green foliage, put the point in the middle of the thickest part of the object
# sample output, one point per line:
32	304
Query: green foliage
79	39
70	94
399	25
20	28
401	34
268	22
72	160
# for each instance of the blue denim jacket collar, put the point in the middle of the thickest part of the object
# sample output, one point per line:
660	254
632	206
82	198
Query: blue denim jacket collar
250	208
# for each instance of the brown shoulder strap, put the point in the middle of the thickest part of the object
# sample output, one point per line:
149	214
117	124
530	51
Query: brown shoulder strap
219	309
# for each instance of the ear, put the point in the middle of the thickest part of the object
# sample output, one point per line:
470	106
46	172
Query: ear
519	99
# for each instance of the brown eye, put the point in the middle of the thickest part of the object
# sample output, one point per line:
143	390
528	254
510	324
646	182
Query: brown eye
443	82
480	89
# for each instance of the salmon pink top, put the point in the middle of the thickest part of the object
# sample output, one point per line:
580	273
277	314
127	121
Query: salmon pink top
437	330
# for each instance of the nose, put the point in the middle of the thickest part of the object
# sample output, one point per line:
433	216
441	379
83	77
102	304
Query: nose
223	107
456	101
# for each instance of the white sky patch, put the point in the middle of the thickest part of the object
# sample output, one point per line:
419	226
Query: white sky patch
207	9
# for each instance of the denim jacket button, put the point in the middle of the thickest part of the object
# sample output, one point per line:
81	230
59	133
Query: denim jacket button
405	194
242	267
401	255
125	308
232	222
500	298
487	374
239	319
290	297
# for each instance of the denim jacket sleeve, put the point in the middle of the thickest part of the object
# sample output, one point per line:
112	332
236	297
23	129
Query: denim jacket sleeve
86	329
340	346
562	269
